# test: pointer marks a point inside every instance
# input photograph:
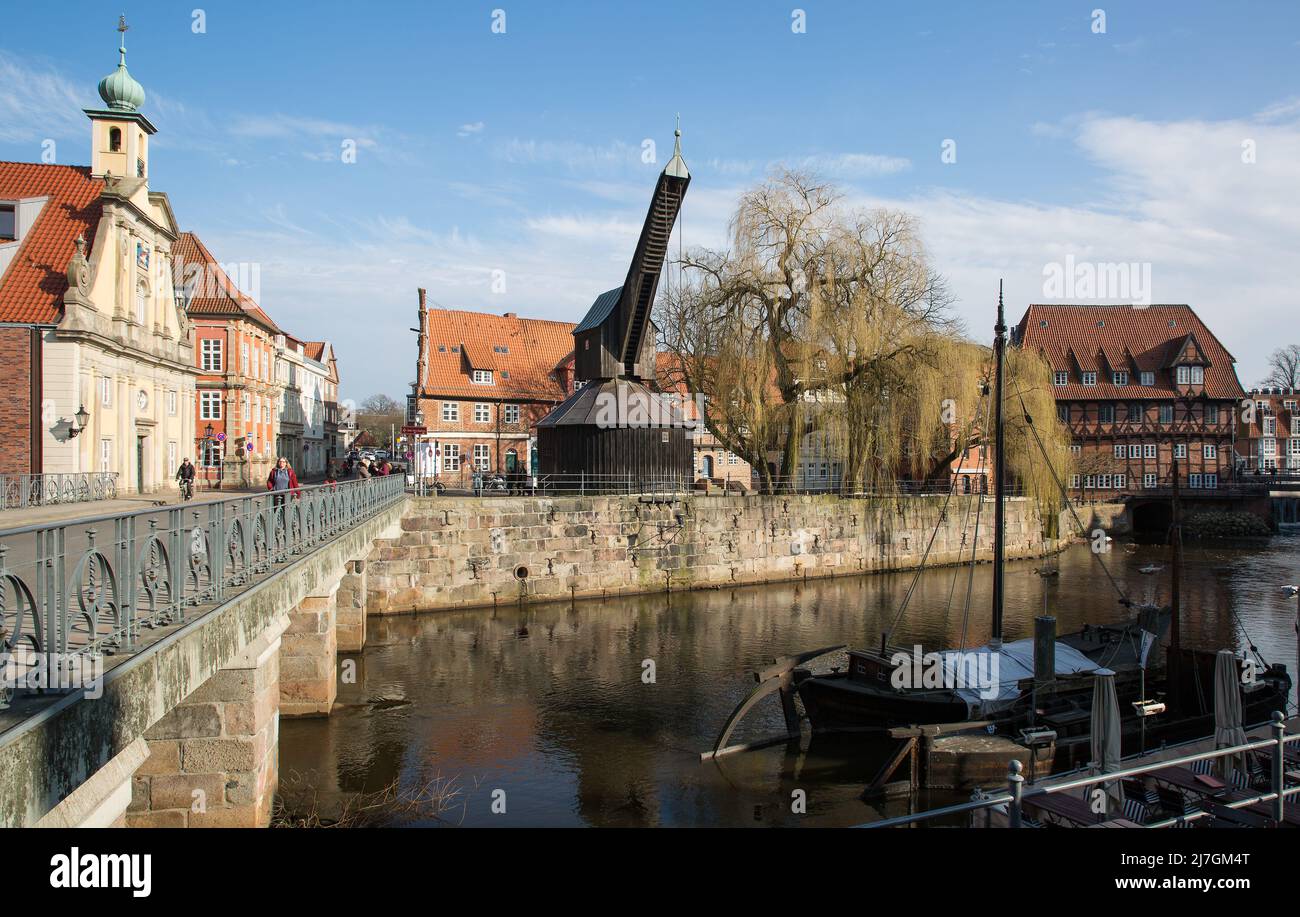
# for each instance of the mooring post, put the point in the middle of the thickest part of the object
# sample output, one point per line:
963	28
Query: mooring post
1279	769
1015	786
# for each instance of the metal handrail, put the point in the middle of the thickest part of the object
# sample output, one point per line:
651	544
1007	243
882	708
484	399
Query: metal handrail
19	491
88	587
1015	797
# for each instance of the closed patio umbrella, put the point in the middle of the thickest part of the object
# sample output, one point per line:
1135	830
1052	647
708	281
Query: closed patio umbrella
1227	711
1105	738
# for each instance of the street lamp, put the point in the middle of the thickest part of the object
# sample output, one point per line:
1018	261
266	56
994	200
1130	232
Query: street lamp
80	421
1294	591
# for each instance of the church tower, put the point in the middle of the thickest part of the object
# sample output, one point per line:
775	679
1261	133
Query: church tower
119	133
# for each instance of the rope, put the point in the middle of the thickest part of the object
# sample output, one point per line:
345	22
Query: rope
1029	420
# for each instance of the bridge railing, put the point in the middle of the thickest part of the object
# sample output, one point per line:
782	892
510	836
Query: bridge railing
18	491
76	590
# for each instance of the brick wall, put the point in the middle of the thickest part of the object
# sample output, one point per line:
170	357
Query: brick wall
16	409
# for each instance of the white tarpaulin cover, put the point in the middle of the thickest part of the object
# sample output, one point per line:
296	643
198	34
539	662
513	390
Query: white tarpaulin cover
988	684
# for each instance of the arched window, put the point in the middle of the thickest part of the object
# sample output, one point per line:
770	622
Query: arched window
115	140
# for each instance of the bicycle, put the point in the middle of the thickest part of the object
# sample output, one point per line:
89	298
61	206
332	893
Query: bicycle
187	490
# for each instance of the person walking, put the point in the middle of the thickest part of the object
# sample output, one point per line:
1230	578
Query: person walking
363	469
281	481
185	475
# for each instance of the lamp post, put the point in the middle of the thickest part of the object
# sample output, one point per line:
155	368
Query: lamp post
1294	591
206	447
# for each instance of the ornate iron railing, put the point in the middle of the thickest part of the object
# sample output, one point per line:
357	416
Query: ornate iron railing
90	587
21	490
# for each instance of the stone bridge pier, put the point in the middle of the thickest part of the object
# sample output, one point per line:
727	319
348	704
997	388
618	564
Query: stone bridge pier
186	732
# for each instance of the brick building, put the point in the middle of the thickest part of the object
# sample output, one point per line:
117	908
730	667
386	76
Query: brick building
1138	386
238	393
483	382
1270	442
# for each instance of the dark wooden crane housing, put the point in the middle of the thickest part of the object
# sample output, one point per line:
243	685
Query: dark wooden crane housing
615	426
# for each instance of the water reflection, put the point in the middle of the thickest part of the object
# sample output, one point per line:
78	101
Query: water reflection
549	703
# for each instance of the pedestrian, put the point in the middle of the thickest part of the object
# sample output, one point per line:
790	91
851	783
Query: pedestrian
281	481
385	468
330	477
185	475
363	469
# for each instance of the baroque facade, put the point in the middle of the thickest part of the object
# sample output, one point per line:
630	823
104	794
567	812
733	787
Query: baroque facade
90	329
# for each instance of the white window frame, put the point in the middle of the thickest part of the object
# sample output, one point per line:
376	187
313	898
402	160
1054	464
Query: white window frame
450	457
512	413
1148	378
482	457
211	355
482	412
1211	481
1180	450
1210	451
209	405
1119	451
450	412
1149	480
1120	377
1061	378
1184	375
1149	450
1134	451
1089	378
1198	375
106	454
482	377
1121	481
1194	480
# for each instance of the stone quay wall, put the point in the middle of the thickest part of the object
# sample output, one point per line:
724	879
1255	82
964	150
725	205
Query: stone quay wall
467	552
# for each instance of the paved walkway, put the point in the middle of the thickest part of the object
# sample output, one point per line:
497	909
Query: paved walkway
68	512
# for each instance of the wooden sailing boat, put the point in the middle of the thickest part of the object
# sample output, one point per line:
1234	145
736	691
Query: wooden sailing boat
1043	684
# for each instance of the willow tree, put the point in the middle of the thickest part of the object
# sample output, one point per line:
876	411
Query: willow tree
830	326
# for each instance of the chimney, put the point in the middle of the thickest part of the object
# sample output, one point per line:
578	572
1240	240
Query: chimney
422	298
511	315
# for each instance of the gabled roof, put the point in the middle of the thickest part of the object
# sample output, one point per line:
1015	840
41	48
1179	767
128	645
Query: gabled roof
210	290
1150	336
523	354
32	286
600	309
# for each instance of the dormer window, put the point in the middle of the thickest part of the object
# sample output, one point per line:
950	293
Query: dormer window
1089	378
1198	375
115	140
8	222
1121	377
1148	378
1061	378
1184	375
483	376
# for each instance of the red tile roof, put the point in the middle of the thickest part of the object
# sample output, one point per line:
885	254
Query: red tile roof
314	350
32	286
1137	339
533	348
211	290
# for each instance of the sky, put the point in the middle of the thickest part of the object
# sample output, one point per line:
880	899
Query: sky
503	154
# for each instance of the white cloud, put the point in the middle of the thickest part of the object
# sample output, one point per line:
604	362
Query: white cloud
468	130
37	102
855	165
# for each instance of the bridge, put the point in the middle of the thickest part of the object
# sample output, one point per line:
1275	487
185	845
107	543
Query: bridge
148	656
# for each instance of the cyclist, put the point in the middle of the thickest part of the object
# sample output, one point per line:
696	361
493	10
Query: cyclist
185	475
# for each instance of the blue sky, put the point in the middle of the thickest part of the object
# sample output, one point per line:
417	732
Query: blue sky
520	153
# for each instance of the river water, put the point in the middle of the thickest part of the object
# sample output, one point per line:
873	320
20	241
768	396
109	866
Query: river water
549	711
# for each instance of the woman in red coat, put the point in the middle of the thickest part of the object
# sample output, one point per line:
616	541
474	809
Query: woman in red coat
281	481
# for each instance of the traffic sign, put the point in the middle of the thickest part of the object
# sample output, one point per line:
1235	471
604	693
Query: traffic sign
221	437
415	431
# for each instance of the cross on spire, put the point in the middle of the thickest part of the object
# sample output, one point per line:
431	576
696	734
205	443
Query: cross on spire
122	27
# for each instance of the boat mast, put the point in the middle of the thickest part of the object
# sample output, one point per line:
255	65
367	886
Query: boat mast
999	482
1175	603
